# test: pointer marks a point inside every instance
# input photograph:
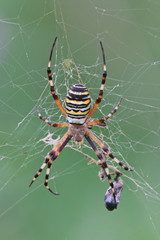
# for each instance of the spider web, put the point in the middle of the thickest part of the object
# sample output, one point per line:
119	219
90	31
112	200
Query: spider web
130	35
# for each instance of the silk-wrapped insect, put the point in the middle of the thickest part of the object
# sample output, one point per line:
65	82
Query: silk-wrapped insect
109	201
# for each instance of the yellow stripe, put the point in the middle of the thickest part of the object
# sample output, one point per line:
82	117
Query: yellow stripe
77	102
78	93
77	113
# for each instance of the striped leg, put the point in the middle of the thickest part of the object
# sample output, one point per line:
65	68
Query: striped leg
51	82
50	123
103	165
102	85
105	149
106	118
41	168
54	152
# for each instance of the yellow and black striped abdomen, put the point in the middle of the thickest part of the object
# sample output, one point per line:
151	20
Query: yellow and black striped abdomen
78	103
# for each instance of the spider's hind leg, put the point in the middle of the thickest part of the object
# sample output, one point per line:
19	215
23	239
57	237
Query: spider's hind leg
55	96
97	102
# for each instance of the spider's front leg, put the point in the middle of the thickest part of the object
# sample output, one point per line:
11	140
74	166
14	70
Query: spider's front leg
103	165
105	149
53	154
102	175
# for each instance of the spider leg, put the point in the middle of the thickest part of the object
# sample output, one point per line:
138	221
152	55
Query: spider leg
49	122
103	164
47	176
56	151
53	154
42	167
105	149
51	82
102	85
106	118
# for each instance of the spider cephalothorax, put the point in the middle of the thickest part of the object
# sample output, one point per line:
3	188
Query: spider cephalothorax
78	116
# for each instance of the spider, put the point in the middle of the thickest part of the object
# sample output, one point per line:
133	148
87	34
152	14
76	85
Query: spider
78	115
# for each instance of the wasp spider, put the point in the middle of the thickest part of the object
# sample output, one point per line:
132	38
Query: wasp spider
78	115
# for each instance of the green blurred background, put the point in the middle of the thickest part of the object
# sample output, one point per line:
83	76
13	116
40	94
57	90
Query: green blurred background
131	38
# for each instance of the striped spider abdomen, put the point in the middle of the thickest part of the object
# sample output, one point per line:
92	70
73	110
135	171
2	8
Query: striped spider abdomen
78	103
